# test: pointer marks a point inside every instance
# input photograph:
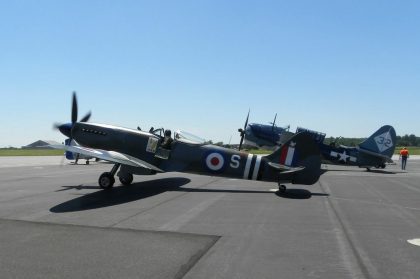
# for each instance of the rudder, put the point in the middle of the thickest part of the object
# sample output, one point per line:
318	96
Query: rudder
299	151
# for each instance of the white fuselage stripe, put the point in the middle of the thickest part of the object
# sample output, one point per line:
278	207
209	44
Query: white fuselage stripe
256	168
247	166
290	154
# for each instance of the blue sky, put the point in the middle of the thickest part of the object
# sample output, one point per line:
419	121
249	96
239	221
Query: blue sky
340	67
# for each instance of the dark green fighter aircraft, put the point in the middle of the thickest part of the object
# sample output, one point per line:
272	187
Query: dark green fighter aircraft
138	152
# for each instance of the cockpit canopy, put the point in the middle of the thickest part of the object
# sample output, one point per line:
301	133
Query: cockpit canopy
187	137
179	135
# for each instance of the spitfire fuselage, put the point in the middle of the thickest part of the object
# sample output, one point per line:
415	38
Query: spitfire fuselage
183	156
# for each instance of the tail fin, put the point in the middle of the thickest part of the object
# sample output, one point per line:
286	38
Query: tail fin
382	141
301	154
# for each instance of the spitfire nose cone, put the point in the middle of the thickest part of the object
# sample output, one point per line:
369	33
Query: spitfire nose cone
65	129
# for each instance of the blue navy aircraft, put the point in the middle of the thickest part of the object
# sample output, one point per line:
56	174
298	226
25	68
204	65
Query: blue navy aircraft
133	151
375	151
261	135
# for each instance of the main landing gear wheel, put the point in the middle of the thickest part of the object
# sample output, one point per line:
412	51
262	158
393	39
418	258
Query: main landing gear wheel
106	180
126	179
282	188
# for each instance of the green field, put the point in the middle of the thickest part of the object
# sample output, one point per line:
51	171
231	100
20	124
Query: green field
30	152
412	150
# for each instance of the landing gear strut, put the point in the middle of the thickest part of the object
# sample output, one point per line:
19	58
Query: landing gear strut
107	180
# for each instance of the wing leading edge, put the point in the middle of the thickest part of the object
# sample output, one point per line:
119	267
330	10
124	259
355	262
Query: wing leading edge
111	156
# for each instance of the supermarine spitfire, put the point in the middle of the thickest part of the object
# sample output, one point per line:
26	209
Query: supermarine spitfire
375	151
138	152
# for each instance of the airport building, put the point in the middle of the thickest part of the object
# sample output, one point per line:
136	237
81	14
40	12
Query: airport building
40	144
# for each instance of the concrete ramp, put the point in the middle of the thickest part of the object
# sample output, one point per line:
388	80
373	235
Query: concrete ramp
39	250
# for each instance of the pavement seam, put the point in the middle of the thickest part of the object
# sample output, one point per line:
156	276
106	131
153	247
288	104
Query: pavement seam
357	260
105	228
195	259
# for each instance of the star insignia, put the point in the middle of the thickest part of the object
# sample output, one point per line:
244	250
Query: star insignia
343	156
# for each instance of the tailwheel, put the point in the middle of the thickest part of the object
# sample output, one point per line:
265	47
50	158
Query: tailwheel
106	180
126	178
282	188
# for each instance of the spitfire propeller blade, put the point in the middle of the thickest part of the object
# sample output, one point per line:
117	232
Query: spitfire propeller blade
242	131
74	109
66	128
56	126
86	117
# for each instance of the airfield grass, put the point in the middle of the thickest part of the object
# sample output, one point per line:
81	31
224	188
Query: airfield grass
413	150
258	151
30	152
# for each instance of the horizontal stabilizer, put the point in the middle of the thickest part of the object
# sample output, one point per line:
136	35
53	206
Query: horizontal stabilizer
284	168
378	155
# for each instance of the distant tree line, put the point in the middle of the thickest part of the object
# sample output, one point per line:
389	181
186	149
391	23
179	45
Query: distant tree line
408	140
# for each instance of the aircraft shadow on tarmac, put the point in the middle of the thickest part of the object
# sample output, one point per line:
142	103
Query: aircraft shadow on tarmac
299	194
365	171
289	194
142	190
118	195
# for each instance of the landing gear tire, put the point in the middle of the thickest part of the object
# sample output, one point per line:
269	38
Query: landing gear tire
383	166
106	180
282	189
126	179
87	162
